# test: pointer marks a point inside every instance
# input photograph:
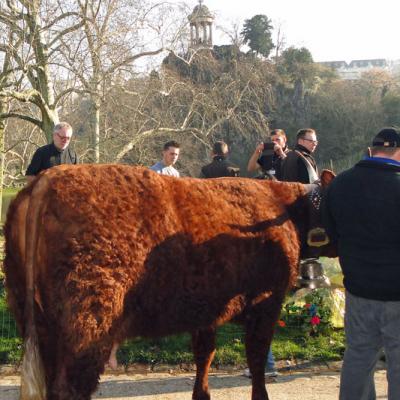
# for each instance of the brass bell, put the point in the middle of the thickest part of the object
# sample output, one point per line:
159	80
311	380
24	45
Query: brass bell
312	275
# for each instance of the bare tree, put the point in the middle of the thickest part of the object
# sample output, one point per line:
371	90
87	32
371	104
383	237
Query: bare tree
4	84
147	111
280	41
116	34
39	25
232	31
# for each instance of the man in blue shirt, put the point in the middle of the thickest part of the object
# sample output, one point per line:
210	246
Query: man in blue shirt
169	158
361	213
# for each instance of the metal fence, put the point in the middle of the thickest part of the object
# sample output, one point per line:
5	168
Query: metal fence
8	327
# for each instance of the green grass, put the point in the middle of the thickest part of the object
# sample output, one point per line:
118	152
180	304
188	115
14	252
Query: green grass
8	195
288	344
292	345
176	350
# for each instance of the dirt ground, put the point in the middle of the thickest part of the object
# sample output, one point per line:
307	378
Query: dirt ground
313	383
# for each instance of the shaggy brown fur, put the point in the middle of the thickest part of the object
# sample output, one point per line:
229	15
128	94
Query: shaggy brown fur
123	251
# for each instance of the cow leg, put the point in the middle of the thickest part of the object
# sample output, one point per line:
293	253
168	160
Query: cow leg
59	387
203	343
259	329
76	377
84	374
112	360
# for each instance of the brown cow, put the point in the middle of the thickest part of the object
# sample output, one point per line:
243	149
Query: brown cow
97	254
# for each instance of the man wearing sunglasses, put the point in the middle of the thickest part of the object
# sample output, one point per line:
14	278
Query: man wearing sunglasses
299	165
56	153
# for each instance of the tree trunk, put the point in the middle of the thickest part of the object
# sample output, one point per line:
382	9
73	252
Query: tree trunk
3	109
298	103
43	82
49	121
96	134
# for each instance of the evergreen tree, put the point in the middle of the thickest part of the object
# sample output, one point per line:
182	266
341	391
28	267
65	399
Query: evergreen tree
256	34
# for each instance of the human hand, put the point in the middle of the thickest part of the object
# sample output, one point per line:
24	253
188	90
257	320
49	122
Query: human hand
260	148
279	151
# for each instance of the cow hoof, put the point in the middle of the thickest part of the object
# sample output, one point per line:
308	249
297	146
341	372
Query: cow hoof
202	396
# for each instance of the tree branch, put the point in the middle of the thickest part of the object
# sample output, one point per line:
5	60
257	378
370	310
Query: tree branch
229	112
129	146
67	91
61	17
22	116
65	31
31	95
131	59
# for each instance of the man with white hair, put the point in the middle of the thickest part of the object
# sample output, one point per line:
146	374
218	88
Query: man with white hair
56	153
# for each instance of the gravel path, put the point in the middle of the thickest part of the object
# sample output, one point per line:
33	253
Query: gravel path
302	385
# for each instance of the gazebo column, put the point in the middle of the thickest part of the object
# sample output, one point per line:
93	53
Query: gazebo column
191	34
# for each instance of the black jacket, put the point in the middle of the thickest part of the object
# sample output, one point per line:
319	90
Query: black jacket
295	167
275	164
361	212
219	167
49	156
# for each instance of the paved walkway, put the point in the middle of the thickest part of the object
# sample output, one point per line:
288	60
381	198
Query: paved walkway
309	384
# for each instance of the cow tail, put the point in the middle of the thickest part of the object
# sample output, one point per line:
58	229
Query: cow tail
33	381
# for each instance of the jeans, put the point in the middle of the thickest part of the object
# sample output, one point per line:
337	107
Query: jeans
270	364
370	325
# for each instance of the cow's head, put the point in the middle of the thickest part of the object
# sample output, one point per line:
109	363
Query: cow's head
316	242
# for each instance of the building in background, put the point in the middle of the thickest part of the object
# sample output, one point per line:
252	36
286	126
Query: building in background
356	68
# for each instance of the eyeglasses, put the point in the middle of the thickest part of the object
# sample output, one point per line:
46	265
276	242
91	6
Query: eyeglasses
311	140
66	138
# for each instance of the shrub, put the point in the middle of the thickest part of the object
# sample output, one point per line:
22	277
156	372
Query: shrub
311	318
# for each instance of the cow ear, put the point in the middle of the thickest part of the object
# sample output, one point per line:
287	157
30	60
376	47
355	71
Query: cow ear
326	177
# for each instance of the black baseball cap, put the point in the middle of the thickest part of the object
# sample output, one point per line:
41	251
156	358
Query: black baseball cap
387	137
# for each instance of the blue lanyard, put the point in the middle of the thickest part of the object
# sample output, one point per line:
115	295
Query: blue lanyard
382	160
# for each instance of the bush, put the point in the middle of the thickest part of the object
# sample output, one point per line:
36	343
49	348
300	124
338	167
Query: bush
311	318
10	350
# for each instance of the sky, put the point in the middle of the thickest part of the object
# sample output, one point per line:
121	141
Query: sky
332	30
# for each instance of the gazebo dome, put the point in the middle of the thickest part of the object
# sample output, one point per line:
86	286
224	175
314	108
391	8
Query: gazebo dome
200	13
200	27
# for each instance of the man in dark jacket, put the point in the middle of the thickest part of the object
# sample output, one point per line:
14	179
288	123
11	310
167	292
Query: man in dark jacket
361	213
219	166
56	153
269	163
299	164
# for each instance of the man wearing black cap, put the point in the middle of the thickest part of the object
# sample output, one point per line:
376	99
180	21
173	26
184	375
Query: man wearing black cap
361	213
